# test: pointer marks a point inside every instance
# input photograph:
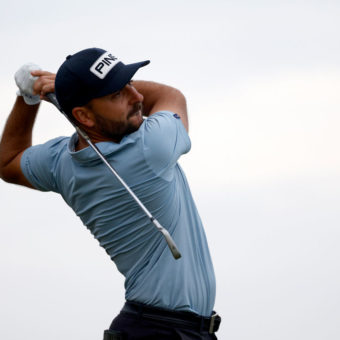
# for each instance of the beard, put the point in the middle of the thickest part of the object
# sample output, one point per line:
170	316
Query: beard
117	130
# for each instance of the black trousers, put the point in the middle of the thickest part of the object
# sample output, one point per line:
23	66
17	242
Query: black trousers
137	323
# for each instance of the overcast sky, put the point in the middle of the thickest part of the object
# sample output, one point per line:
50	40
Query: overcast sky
262	81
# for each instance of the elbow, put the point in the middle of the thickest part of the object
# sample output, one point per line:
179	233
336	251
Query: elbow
183	99
179	96
10	176
179	101
6	175
10	169
2	169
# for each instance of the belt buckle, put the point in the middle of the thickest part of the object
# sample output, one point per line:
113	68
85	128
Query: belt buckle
212	322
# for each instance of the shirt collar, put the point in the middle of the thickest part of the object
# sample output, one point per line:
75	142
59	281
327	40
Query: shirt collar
88	155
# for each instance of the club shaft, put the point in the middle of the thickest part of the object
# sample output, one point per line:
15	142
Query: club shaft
176	254
94	147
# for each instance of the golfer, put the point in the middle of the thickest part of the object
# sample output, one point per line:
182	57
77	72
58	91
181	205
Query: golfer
141	128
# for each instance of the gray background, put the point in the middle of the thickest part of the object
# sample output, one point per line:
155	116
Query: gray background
262	83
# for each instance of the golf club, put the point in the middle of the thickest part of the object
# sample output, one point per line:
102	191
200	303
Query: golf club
176	254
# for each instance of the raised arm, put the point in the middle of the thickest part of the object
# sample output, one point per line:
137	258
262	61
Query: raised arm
16	138
17	134
158	97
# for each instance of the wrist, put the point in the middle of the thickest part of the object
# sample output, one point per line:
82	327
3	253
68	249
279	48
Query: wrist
28	98
25	82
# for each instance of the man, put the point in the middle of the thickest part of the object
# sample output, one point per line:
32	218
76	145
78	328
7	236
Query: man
166	298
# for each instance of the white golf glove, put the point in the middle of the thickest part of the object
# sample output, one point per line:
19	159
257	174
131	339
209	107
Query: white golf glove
25	82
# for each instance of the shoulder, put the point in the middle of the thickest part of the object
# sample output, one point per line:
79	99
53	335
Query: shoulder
164	120
57	142
38	162
53	145
165	139
46	152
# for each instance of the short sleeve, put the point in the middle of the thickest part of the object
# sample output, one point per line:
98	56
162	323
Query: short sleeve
38	164
165	140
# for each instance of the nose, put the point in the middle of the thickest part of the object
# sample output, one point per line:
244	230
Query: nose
134	95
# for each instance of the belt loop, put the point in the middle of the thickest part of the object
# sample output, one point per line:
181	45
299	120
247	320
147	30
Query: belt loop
212	322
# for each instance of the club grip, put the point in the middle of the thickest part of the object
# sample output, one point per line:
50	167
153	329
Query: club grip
171	243
53	99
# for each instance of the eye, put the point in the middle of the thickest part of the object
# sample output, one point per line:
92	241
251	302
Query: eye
115	95
130	83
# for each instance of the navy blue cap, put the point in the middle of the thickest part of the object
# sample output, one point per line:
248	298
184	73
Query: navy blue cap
89	74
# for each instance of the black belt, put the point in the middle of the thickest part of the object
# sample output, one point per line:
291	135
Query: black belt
176	319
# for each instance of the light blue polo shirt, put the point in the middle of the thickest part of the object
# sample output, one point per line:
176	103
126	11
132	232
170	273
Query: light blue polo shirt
147	161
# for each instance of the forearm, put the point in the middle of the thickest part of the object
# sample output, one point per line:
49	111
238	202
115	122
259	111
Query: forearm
150	91
159	97
17	134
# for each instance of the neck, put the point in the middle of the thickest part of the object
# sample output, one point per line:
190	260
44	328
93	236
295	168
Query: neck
82	143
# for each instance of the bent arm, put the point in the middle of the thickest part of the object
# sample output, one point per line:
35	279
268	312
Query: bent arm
158	97
17	134
16	138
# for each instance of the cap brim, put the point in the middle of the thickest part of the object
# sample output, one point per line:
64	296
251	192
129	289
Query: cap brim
122	77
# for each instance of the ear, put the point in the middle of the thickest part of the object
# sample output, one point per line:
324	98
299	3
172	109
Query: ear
83	115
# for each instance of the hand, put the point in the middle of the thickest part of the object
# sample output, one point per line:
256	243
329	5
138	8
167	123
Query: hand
25	81
43	84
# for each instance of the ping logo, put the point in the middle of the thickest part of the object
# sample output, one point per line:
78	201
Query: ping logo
104	64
